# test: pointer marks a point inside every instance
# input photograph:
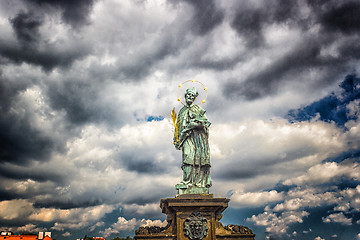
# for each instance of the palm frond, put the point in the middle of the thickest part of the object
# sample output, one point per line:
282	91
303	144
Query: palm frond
173	117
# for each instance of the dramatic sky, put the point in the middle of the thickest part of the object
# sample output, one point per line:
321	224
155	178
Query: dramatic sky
86	90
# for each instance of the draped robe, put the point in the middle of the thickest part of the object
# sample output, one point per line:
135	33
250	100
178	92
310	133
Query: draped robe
193	141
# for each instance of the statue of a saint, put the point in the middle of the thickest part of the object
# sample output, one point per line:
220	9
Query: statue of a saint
191	136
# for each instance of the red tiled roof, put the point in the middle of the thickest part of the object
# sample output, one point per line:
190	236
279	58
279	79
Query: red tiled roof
23	237
19	237
99	238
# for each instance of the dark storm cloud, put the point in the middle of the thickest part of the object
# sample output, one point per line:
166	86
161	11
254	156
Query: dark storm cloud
351	50
266	82
9	90
206	16
81	101
145	196
68	203
249	168
249	23
249	20
355	154
47	58
16	223
246	170
144	166
142	199
142	66
75	13
343	18
218	65
12	172
26	28
33	49
76	98
238	173
140	163
19	141
21	144
7	195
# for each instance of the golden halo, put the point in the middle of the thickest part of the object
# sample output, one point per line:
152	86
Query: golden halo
193	80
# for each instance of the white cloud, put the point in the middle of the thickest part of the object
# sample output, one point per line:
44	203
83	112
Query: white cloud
240	199
15	209
27	186
66	234
98	224
353	109
278	223
295	201
149	223
337	218
78	216
309	197
120	225
108	231
326	172
144	210
353	196
283	150
342	207
64	218
123	224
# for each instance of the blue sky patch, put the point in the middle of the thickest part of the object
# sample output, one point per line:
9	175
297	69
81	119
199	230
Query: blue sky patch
331	108
355	154
155	118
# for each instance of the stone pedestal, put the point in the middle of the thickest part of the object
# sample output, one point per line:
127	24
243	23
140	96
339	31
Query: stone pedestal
194	217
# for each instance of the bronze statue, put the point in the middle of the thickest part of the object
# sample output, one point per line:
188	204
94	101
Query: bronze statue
191	136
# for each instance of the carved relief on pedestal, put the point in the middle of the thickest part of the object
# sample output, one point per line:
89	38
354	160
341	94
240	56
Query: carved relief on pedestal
195	227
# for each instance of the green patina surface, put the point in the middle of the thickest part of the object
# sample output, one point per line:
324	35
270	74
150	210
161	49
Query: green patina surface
192	139
185	189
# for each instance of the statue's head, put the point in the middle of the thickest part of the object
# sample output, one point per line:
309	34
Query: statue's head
190	95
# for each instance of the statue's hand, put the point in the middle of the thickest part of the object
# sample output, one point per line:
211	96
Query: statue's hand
194	124
177	145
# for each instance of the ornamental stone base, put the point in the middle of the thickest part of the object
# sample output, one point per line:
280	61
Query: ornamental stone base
194	217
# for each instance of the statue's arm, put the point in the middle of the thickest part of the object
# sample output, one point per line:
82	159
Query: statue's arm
200	121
